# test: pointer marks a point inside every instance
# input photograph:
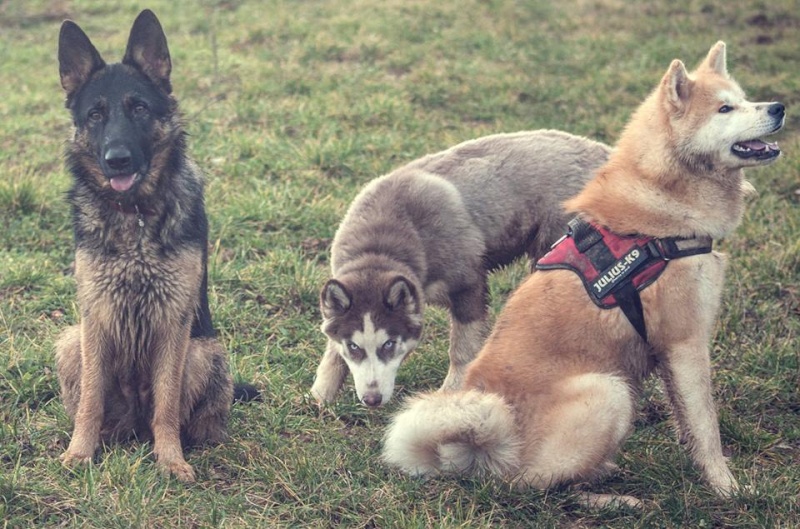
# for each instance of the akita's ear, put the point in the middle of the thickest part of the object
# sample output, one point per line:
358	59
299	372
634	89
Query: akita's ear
147	50
334	300
716	59
677	85
401	295
78	59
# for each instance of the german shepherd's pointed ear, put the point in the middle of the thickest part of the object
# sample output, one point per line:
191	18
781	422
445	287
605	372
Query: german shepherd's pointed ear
677	85
716	60
401	295
147	50
78	59
334	300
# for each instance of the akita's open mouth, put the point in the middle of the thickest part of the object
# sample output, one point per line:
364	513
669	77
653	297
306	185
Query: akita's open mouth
758	149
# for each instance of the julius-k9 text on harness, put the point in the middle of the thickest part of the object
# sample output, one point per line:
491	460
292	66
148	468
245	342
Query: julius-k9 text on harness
614	268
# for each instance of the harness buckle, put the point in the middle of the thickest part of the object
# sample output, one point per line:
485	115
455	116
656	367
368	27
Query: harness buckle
655	249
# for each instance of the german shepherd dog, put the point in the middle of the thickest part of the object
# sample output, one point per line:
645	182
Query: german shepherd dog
144	360
551	397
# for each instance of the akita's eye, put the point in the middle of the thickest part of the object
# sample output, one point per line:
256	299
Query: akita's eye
724	109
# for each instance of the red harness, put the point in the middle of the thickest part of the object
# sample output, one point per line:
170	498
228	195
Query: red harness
614	268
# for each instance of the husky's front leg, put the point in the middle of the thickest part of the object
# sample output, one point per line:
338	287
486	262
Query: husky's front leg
467	332
331	374
687	376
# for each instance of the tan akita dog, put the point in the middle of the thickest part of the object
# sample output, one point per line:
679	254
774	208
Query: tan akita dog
552	394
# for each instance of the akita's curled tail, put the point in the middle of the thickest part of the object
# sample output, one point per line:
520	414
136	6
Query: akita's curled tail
462	431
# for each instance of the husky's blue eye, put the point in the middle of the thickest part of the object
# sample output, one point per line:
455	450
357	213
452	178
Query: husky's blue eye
352	346
724	109
388	345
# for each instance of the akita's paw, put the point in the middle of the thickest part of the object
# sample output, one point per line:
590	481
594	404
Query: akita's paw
609	501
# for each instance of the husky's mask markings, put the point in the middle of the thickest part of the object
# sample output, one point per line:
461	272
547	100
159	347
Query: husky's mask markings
551	396
430	232
374	347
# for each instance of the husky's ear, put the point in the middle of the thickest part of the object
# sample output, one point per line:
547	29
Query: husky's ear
401	295
334	300
677	85
78	59
716	59
147	50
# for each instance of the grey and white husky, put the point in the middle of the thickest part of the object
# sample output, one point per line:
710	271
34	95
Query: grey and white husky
430	232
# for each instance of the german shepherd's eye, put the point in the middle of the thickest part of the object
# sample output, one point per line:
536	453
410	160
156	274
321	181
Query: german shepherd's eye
724	109
95	116
139	109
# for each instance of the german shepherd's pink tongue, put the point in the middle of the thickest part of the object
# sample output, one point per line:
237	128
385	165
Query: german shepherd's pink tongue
122	183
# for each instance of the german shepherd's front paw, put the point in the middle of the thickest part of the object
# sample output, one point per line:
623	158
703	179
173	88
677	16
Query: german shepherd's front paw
179	468
73	458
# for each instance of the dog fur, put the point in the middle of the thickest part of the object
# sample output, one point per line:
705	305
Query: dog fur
144	360
551	396
430	232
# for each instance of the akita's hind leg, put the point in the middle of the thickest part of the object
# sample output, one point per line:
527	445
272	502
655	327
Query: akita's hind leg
207	393
467	332
578	433
331	374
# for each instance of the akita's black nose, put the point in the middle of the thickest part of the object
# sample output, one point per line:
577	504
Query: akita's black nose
777	110
118	157
372	399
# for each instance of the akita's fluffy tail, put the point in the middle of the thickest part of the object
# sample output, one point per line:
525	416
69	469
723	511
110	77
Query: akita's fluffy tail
462	431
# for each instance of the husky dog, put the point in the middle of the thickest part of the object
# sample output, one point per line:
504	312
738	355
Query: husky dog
144	360
551	396
430	232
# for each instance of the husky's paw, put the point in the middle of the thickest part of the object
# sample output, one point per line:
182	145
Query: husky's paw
722	482
323	393
453	381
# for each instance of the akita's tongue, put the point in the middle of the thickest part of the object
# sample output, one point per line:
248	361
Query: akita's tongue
758	145
122	183
746	149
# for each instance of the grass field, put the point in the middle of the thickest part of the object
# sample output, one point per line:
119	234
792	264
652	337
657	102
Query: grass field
292	106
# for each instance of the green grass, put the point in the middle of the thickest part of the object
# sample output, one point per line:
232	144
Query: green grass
292	107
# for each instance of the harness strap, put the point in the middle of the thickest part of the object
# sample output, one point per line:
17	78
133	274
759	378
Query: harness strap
589	241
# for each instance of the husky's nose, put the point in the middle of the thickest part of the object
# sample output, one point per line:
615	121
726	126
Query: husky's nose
777	110
118	157
372	399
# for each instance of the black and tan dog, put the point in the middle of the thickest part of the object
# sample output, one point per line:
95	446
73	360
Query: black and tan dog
144	360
